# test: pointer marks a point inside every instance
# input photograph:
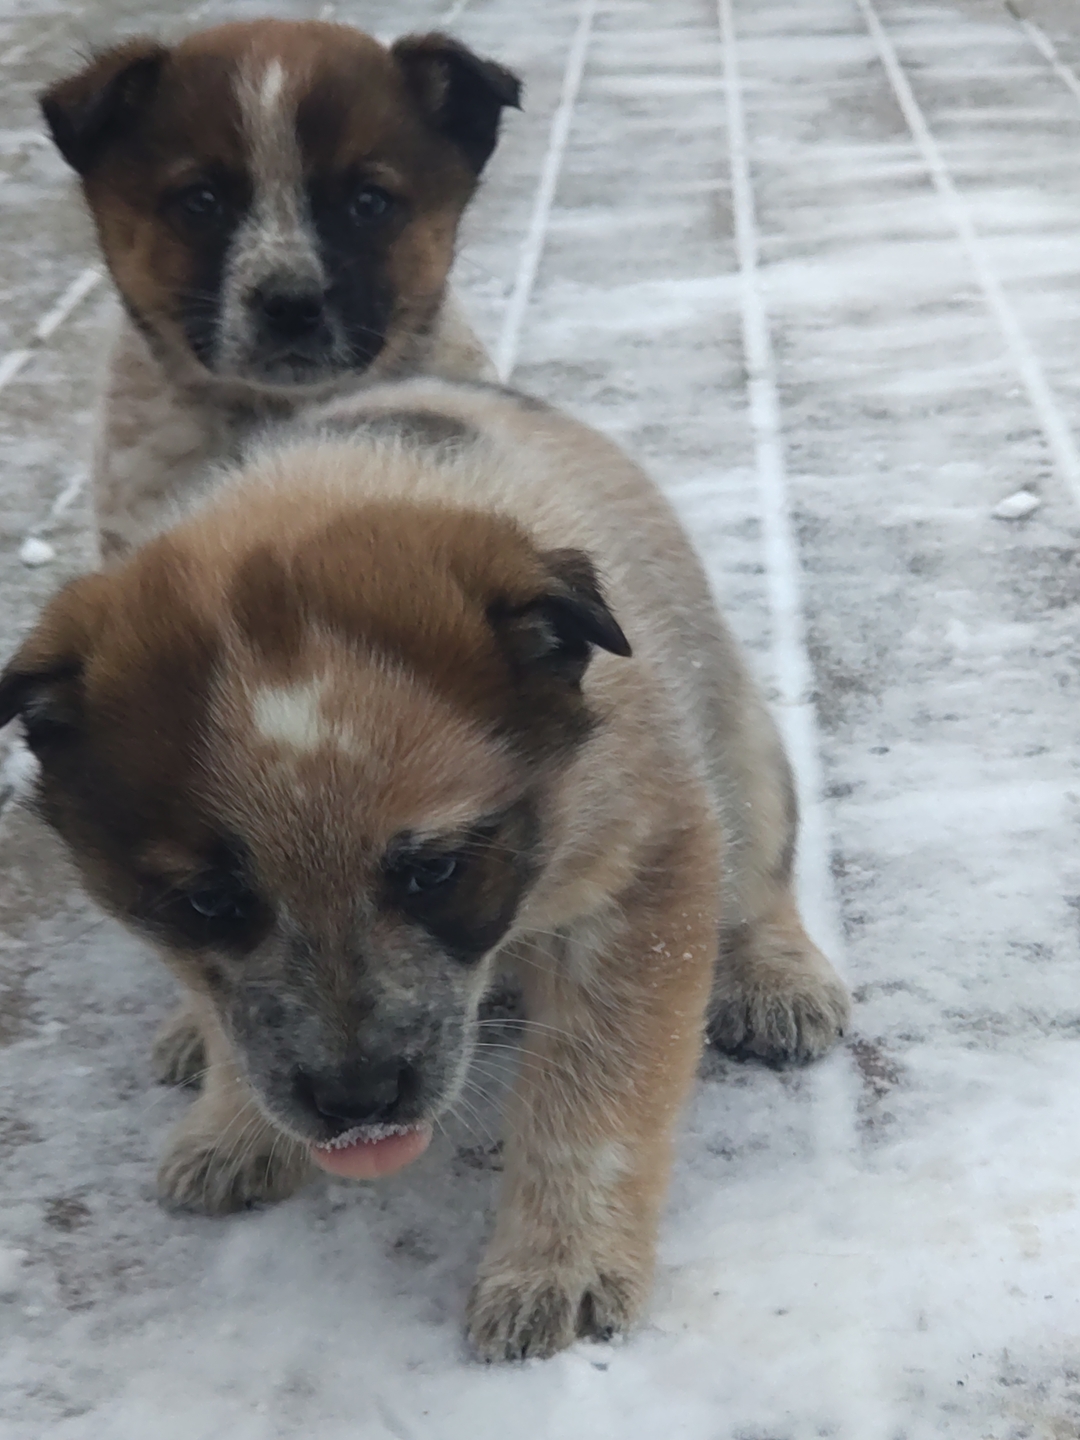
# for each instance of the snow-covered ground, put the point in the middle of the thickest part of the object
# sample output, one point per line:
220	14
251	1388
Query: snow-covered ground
818	263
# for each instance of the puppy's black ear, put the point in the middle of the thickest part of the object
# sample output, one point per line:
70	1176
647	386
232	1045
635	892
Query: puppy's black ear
461	95
558	629
41	685
88	110
46	701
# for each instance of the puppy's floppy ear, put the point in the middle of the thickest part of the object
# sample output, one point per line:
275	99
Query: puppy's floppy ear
461	95
87	110
42	683
557	629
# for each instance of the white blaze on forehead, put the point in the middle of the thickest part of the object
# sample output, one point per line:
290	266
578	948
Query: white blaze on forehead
277	240
270	90
292	715
268	115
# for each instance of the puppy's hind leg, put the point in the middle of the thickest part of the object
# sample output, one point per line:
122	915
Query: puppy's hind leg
775	995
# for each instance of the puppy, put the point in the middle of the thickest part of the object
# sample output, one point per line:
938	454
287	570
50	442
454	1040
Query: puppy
434	684
277	203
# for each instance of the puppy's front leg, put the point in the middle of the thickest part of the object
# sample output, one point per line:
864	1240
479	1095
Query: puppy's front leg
224	1155
611	1047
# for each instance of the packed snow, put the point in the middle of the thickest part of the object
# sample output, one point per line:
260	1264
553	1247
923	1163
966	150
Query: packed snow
816	263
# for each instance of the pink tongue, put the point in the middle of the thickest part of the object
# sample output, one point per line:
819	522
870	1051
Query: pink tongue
368	1159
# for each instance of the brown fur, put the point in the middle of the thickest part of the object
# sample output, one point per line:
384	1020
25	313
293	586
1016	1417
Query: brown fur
380	644
146	126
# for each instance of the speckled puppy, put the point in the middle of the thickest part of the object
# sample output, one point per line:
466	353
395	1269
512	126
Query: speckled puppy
364	727
277	203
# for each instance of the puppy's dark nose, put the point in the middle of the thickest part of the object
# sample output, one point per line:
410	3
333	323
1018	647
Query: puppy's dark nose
356	1095
289	314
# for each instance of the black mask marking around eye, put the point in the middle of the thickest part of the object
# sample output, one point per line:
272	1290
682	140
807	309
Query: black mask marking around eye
466	897
222	901
219	909
205	216
420	873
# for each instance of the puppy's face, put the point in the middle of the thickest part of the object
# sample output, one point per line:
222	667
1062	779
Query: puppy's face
278	201
322	787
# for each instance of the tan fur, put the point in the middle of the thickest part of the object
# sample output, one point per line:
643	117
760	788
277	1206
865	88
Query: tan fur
159	443
374	577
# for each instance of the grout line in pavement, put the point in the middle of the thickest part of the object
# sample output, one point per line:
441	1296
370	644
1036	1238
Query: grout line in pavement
532	247
73	296
62	503
1051	417
15	361
329	11
11	364
67	497
793	671
833	1085
1047	49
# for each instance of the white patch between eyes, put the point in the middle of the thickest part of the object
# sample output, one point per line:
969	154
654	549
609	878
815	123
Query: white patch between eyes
273	82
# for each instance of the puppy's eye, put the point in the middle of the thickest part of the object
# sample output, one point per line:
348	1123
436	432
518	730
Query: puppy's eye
200	203
369	204
220	902
418	874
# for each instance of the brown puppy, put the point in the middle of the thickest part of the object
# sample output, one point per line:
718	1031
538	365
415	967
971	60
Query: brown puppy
277	203
366	727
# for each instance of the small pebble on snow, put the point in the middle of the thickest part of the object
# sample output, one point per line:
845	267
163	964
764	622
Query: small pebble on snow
1016	507
36	552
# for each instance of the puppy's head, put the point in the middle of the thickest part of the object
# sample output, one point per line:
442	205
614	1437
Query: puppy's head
278	201
319	773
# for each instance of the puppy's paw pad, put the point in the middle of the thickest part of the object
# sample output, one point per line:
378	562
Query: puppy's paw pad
796	1020
533	1320
179	1055
203	1176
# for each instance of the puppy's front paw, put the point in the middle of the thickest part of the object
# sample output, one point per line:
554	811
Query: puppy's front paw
179	1053
782	1003
535	1309
217	1174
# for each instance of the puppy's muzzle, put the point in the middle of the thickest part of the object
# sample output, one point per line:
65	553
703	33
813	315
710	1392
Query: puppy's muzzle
291	323
288	313
379	1093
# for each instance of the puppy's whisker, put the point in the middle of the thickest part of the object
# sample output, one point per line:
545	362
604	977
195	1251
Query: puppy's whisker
162	1092
518	1098
461	1119
523	1059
